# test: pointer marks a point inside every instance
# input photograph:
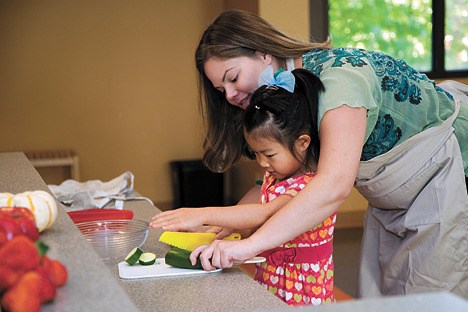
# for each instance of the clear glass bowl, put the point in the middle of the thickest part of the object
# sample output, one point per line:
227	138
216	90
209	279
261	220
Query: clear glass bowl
114	238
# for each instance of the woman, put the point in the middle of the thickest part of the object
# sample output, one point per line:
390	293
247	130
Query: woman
383	127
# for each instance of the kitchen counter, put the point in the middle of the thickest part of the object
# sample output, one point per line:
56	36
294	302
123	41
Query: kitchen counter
94	285
91	286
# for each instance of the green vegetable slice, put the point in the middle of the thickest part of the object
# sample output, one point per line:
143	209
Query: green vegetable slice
147	258
134	255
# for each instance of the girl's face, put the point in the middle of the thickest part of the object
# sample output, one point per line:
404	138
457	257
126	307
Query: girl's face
237	77
276	158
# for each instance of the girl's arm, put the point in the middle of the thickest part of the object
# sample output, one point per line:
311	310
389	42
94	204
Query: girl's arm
342	132
246	216
251	197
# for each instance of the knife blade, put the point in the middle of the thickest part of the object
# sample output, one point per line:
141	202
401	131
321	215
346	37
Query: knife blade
191	240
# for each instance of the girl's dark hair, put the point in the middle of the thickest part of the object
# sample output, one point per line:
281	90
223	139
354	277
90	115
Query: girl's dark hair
233	34
275	113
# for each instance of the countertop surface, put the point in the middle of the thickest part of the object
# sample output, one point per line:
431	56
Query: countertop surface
94	284
91	286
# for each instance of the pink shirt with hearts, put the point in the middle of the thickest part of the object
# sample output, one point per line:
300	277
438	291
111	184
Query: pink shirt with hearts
300	283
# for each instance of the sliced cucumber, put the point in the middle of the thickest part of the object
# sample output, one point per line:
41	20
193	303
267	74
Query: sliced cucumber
134	255
180	258
147	258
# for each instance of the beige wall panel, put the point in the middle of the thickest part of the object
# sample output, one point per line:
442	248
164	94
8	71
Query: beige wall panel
291	17
245	5
114	80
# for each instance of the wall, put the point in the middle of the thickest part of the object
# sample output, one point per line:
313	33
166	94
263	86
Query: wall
291	19
114	80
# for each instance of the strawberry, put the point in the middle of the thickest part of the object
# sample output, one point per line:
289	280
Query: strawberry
47	289
57	271
45	261
20	254
24	295
24	218
9	277
9	226
3	238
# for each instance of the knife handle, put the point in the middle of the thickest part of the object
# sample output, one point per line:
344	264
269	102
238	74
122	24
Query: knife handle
255	260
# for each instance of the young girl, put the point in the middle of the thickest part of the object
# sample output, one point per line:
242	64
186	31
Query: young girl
280	132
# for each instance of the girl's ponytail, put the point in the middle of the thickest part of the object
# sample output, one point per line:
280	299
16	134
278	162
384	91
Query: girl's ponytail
309	85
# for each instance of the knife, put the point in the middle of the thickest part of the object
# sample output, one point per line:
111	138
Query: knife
191	240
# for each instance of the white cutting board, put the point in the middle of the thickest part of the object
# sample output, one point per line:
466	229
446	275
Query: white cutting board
159	269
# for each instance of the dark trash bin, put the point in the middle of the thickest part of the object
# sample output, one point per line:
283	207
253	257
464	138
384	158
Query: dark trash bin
194	185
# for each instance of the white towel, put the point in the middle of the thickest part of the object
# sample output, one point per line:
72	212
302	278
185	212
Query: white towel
95	193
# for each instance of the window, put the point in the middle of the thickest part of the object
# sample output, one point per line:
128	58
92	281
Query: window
431	35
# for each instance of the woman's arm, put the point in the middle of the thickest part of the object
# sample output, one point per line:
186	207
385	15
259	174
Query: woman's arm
342	132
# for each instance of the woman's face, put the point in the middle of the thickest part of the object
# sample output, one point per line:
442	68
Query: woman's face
237	77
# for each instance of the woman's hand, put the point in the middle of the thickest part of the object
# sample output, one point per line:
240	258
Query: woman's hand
222	254
182	219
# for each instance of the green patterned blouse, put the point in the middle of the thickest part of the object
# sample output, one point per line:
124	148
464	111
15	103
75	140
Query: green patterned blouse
400	101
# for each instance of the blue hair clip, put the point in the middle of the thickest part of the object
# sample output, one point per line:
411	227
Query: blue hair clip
282	78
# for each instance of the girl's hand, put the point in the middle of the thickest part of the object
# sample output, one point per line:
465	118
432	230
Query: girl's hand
222	254
182	219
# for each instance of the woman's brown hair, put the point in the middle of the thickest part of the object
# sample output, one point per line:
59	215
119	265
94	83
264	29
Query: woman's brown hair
232	34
